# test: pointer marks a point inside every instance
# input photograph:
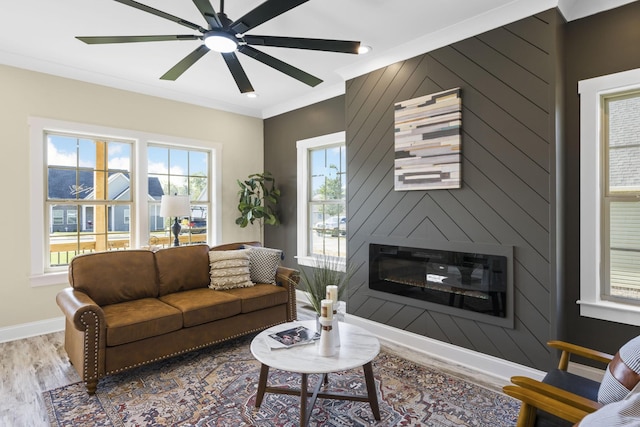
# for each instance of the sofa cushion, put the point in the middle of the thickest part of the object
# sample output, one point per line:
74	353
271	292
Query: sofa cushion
182	268
259	296
203	305
136	320
229	269
115	276
263	263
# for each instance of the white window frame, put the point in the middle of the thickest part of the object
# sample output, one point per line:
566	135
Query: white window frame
73	215
303	147
57	217
139	230
591	190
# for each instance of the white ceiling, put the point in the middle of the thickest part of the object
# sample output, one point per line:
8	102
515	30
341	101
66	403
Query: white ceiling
40	35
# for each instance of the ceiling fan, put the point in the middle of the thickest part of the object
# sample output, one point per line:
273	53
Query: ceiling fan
228	37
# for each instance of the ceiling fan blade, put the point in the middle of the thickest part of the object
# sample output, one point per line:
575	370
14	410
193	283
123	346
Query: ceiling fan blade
134	39
237	72
266	11
183	65
283	67
161	14
207	11
342	46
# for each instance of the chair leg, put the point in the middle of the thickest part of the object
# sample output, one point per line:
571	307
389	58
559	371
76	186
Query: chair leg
527	416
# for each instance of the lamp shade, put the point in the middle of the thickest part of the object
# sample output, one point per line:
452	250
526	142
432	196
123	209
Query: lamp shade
174	206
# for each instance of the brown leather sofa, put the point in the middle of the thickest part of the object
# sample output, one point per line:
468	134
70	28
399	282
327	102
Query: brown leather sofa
129	308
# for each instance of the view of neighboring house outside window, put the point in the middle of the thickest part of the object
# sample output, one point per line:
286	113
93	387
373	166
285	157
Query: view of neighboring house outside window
610	197
322	218
92	192
90	198
179	171
622	196
88	183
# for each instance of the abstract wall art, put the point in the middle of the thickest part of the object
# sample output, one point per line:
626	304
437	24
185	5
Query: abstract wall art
427	142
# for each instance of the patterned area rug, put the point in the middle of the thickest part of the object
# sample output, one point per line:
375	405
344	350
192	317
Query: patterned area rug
217	387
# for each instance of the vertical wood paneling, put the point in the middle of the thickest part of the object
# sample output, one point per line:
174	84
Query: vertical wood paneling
507	97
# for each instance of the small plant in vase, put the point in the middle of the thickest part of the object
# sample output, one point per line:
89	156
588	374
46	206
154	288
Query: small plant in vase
325	271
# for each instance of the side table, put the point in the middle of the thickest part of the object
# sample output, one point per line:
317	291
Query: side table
358	348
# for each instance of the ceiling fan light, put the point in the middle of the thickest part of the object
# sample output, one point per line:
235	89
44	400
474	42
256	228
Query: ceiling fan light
221	42
363	48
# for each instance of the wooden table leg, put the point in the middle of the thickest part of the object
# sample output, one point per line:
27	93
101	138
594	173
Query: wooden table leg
303	401
262	384
371	390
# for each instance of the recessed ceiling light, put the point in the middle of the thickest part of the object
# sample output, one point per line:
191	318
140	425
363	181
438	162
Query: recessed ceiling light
364	49
251	95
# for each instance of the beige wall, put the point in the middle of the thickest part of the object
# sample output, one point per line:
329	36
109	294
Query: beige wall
25	93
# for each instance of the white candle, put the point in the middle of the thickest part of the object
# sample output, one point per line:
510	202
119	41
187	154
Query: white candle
332	293
326	309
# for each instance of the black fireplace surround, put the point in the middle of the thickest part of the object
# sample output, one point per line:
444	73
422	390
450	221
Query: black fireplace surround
467	281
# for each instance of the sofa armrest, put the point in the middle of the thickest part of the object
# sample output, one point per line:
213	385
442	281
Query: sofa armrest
289	279
75	305
557	394
532	400
85	335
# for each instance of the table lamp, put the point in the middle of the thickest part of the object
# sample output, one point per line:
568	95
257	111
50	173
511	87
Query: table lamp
175	206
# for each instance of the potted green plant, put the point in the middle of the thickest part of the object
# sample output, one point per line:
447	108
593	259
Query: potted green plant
325	271
258	197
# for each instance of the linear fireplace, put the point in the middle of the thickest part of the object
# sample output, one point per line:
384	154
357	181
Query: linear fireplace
462	281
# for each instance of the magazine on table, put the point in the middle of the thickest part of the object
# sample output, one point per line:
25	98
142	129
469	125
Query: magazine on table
299	335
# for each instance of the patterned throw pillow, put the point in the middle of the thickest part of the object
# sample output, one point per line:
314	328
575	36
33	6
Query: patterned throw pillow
229	269
263	263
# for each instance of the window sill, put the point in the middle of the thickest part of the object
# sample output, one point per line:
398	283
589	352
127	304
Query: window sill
49	279
611	311
309	261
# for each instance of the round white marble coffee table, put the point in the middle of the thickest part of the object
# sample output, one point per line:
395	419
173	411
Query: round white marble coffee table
358	348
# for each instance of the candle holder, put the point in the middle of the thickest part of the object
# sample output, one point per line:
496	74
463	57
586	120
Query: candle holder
326	344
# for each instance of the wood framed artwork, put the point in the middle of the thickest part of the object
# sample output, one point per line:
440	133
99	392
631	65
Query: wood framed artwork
427	142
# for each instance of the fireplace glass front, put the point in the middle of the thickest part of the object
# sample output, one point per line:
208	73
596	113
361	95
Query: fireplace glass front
468	281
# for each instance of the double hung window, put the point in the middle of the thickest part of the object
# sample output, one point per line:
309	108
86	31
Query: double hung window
610	197
100	189
179	171
322	217
87	193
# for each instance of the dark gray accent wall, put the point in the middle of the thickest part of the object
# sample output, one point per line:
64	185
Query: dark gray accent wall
520	154
280	135
605	43
509	81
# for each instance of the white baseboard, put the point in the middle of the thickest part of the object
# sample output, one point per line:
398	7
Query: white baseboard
499	369
26	330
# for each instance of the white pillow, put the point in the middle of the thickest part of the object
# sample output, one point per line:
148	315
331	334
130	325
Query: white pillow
263	263
229	269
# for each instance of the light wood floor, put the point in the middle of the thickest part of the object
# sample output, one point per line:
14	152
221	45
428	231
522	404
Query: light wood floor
33	365
29	367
